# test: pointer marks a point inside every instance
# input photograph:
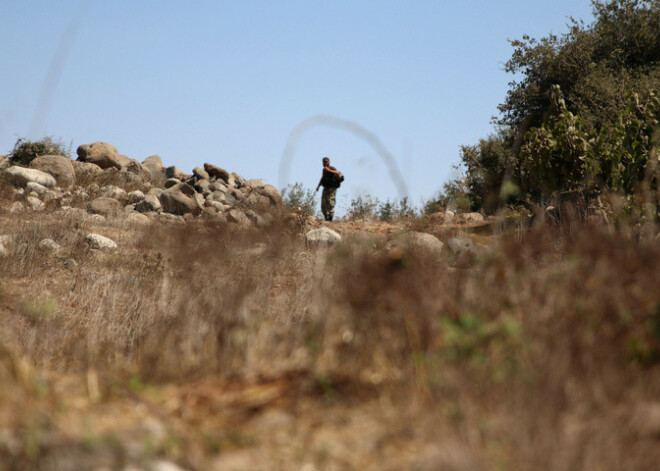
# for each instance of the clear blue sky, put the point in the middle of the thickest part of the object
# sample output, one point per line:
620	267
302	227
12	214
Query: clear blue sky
227	82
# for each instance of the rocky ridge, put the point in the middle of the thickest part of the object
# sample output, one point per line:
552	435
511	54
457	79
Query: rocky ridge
134	188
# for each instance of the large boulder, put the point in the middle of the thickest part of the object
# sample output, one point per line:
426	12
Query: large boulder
216	172
59	167
181	199
21	176
322	236
104	206
100	153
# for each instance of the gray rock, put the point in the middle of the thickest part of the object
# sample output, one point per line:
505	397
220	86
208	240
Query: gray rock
112	191
153	162
101	154
130	178
59	167
138	169
217	205
202	186
201	174
322	236
35	203
170	182
216	172
173	172
221	197
236	180
418	240
218	186
99	242
104	205
36	187
238	217
148	204
137	218
49	245
85	168
135	196
96	219
181	199
22	176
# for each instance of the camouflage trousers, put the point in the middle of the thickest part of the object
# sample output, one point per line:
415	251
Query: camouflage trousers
328	200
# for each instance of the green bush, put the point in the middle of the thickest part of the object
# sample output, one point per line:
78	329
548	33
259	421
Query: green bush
363	207
296	196
25	151
563	155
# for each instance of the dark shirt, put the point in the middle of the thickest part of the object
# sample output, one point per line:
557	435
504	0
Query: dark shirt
327	179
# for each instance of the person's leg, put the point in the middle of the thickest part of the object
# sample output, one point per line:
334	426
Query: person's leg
332	200
325	202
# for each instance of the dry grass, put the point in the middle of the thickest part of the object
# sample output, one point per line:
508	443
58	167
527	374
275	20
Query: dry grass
542	353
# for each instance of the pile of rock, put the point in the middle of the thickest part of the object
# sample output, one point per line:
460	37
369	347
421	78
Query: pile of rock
211	191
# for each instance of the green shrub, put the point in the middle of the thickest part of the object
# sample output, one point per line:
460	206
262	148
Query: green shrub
25	151
363	208
296	196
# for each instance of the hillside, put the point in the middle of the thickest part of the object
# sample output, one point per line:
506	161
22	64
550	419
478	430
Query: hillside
205	331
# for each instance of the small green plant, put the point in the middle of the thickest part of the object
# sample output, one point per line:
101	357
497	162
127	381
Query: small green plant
396	209
363	208
297	196
25	151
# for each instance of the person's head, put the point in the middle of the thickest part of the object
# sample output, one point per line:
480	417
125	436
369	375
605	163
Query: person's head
326	161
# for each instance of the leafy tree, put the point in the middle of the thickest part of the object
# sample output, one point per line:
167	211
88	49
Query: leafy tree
595	65
598	137
563	155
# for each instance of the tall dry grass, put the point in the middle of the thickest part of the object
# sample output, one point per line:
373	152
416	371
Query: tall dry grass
541	353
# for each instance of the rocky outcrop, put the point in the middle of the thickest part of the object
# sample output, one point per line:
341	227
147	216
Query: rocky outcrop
100	153
59	167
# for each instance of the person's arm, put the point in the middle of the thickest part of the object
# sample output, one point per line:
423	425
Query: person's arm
319	185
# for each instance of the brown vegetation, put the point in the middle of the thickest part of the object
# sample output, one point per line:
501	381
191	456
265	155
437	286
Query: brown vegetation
220	349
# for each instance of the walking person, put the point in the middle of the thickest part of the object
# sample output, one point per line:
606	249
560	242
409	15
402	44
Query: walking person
330	180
